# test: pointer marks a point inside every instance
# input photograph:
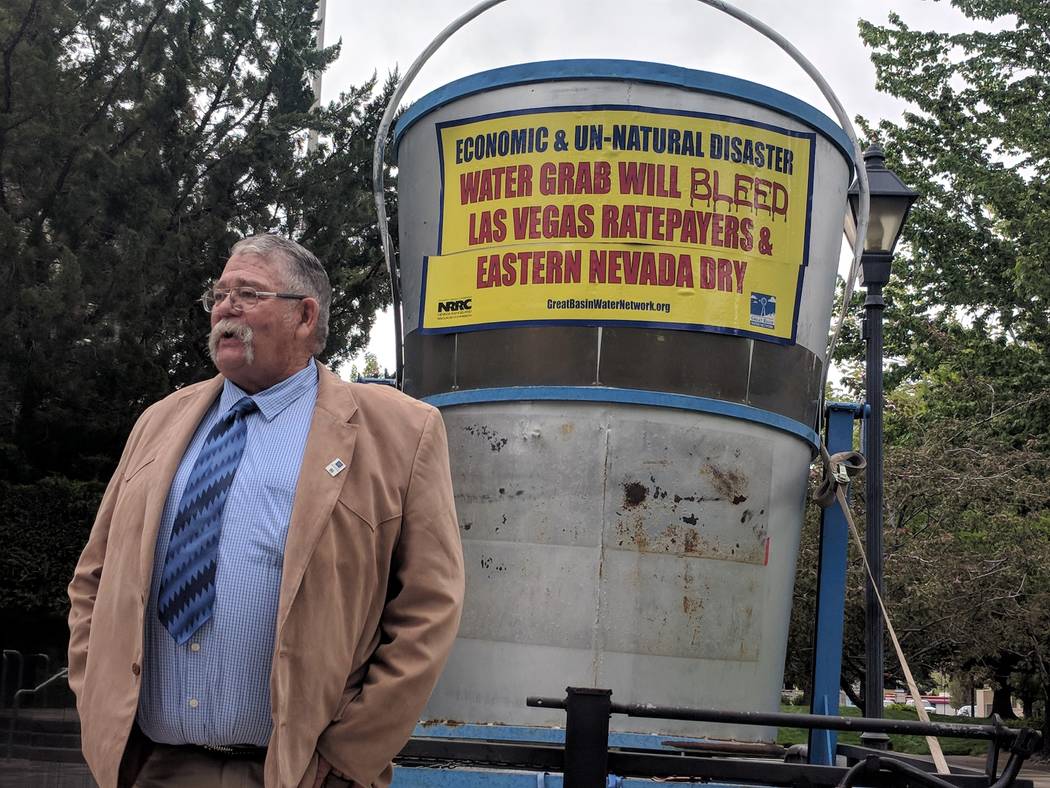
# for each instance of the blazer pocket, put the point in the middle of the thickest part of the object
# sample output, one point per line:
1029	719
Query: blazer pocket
344	704
360	514
131	474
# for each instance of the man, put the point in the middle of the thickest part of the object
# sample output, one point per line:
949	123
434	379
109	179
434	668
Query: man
274	578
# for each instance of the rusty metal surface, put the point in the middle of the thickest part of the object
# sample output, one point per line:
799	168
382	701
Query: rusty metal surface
639	548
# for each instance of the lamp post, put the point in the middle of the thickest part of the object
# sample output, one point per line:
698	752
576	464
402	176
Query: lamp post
890	202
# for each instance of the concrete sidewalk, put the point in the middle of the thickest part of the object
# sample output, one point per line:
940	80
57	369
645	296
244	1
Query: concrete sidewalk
1037	772
17	773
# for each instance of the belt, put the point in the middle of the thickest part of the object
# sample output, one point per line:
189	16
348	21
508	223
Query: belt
248	752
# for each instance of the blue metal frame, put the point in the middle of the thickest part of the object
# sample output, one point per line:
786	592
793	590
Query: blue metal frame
656	399
831	595
425	777
482	778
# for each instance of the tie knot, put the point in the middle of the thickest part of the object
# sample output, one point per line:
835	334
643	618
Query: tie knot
243	407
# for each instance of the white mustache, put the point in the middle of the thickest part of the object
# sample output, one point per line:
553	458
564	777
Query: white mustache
227	328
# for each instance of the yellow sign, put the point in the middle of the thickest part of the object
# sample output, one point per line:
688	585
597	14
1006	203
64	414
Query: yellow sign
609	215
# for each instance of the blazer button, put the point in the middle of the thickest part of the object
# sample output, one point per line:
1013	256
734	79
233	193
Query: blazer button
136	669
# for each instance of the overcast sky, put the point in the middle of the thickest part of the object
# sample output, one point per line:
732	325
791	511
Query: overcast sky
378	37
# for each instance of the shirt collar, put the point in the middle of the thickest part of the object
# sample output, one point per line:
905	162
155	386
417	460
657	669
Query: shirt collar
275	399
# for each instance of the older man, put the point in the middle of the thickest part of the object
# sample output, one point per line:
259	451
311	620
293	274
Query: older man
274	579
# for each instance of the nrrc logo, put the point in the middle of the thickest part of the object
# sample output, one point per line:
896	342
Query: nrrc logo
455	305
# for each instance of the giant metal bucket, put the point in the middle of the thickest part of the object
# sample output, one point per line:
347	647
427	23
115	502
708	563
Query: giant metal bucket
617	282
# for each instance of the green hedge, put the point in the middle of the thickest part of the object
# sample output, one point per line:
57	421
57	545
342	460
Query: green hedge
43	528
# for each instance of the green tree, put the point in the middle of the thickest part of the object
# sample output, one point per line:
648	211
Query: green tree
968	343
968	546
970	319
371	366
137	142
970	296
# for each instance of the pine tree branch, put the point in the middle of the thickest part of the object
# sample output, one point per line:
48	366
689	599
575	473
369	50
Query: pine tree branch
258	106
124	141
119	79
67	165
225	82
8	53
62	35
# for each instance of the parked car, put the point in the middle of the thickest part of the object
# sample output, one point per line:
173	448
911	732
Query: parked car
930	708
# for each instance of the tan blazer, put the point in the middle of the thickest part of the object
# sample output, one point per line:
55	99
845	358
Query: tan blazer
370	597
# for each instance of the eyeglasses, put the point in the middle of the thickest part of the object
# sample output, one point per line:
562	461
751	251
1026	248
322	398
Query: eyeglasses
244	297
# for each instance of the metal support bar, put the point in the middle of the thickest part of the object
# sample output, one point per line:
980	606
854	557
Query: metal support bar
586	737
11	657
999	732
873	684
587	758
991	763
873	635
61	676
831	594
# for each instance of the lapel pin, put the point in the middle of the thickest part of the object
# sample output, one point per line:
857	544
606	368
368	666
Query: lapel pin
335	467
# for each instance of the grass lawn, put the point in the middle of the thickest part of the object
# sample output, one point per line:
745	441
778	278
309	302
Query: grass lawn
914	745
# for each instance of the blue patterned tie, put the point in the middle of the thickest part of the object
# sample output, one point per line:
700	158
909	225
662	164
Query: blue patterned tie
187	585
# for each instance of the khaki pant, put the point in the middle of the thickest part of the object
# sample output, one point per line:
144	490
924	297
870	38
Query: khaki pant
183	767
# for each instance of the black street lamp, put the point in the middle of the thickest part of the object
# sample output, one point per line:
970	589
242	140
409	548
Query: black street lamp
889	203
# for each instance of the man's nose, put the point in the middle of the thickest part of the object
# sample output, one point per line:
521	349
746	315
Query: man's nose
228	306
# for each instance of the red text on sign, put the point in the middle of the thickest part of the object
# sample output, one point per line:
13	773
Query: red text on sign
652	180
553	221
495	183
545	267
640	268
745	191
581	177
722	274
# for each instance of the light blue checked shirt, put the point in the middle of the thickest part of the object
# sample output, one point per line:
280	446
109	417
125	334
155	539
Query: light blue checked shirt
215	689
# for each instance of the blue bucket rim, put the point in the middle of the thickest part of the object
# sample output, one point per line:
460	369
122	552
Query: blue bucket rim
632	71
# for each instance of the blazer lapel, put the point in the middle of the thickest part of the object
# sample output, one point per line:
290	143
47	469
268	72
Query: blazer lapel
189	411
331	437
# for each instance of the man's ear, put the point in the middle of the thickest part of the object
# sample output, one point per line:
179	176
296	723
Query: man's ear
309	309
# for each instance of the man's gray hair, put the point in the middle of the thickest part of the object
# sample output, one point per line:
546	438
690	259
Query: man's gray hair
303	274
